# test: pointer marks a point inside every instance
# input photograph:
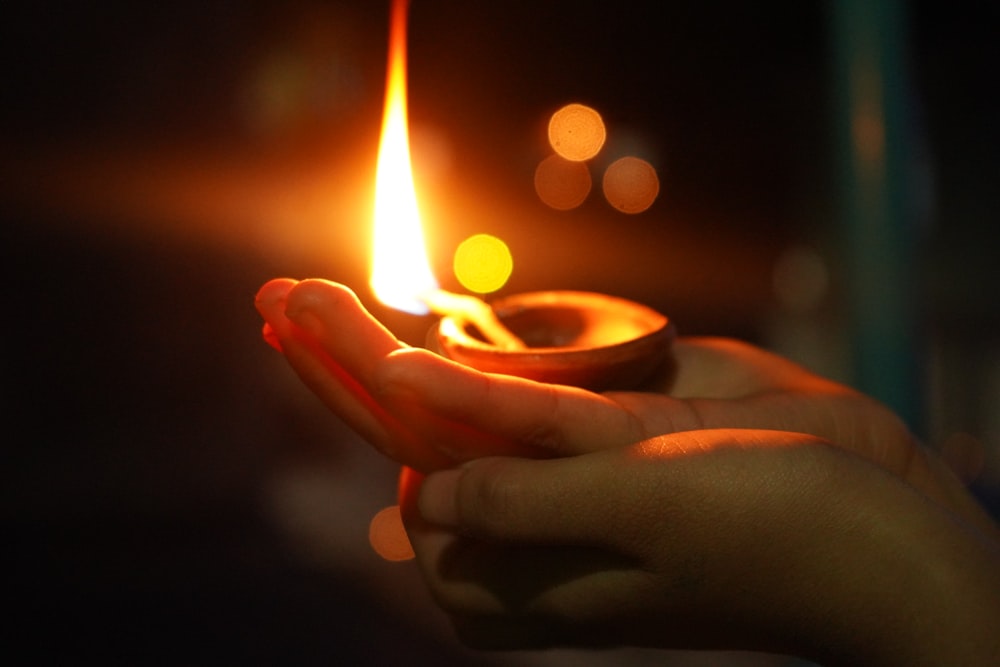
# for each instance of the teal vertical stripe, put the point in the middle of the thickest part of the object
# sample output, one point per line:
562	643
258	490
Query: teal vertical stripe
877	226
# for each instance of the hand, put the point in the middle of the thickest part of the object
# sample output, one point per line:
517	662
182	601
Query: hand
656	495
347	358
429	413
721	539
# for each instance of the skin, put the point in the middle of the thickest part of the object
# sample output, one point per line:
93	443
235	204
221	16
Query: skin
754	505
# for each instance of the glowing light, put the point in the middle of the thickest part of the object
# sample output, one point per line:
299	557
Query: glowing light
400	270
387	535
631	184
483	263
562	184
576	132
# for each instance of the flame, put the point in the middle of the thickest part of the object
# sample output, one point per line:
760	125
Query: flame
400	270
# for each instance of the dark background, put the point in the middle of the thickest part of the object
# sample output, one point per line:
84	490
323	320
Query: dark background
172	495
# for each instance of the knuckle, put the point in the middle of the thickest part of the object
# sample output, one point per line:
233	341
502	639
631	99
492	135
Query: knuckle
545	437
547	434
490	498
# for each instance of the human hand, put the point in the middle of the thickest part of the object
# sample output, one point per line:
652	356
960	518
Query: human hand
428	413
710	539
347	358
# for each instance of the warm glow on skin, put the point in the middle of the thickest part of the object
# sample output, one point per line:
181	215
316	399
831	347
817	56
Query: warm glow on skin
561	183
483	263
631	184
400	270
576	132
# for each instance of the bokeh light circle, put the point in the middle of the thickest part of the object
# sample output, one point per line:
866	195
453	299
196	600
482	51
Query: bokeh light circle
387	535
576	132
561	183
631	184
483	263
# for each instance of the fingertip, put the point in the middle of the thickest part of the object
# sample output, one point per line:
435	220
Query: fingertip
438	497
315	294
273	292
322	307
270	303
271	337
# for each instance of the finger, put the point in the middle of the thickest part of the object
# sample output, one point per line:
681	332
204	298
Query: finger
456	440
336	387
573	538
523	501
270	337
553	419
502	499
564	421
335	318
495	583
432	545
340	392
324	377
334	345
359	345
270	303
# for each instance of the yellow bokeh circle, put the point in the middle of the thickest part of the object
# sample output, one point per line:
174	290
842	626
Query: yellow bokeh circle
483	263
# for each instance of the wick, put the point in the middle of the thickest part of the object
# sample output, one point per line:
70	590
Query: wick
476	312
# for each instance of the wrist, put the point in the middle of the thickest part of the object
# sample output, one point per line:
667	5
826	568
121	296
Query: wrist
909	582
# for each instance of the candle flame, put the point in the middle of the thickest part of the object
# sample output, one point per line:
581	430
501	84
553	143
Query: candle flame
400	269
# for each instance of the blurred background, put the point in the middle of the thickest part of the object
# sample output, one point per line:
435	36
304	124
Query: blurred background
172	494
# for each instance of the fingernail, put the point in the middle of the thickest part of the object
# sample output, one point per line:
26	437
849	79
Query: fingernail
438	501
273	292
270	303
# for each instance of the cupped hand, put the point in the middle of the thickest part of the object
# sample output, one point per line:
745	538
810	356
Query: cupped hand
429	413
745	493
400	398
347	358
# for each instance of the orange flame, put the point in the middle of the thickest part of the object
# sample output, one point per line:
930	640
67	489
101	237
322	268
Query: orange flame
400	270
